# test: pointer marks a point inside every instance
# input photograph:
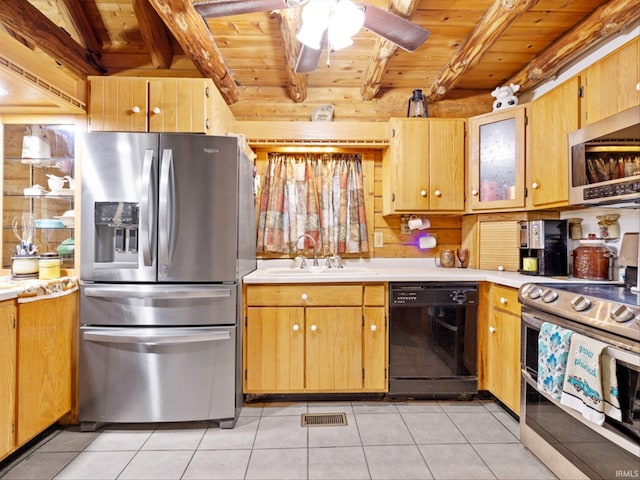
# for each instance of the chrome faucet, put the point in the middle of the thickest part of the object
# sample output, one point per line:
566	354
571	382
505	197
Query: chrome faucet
315	256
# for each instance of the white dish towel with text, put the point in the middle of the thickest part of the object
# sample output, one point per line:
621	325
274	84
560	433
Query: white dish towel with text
590	383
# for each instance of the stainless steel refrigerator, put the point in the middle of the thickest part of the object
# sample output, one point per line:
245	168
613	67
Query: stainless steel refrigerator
168	231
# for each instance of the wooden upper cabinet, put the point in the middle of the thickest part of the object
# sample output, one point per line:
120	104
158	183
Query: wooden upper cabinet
496	164
551	118
181	105
423	169
611	84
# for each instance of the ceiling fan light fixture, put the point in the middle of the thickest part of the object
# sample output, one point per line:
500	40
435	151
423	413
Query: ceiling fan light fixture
315	20
342	18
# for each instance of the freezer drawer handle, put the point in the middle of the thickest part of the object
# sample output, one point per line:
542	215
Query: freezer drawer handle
158	293
146	339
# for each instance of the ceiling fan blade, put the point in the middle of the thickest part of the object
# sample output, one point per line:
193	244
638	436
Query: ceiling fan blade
398	30
222	8
308	59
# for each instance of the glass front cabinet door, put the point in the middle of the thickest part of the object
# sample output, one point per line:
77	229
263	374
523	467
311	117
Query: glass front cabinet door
497	160
38	189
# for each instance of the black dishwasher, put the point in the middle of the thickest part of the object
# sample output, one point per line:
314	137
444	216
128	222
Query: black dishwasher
433	339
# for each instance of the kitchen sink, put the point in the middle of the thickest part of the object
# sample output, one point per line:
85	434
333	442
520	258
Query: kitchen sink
288	271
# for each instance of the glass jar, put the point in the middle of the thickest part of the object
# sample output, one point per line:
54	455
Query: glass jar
49	266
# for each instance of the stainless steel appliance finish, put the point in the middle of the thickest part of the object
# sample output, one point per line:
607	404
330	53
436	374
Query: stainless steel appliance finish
607	307
569	445
432	339
604	161
172	231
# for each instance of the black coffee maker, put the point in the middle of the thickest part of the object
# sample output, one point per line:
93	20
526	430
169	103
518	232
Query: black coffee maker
543	247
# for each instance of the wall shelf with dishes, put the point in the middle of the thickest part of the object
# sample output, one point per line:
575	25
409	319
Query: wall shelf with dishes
38	179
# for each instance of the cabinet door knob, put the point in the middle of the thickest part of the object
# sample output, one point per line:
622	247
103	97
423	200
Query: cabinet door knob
492	329
304	296
156	110
474	192
437	193
136	109
314	328
374	328
296	327
503	300
535	185
423	193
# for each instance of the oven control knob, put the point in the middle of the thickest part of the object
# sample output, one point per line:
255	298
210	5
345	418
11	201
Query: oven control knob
622	314
580	303
535	292
549	295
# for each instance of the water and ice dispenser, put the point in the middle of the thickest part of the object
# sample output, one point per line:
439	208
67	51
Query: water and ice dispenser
116	239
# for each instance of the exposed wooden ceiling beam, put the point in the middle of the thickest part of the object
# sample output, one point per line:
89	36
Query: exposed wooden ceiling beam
610	18
382	52
497	19
21	16
76	20
195	38
154	34
18	37
296	82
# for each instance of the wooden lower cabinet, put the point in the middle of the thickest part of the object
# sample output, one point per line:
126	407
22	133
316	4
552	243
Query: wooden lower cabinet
315	339
499	344
7	376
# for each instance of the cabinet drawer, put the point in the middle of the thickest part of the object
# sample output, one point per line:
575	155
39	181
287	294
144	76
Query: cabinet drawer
307	295
374	295
505	298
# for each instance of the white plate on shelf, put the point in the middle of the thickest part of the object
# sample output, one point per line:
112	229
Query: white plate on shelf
66	220
63	192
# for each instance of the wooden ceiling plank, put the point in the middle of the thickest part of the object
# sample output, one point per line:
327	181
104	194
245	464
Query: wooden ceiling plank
607	20
382	52
154	34
296	82
75	19
498	18
195	38
21	16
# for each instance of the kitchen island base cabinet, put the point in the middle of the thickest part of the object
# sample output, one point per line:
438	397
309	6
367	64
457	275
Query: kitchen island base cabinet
8	376
315	339
37	385
46	329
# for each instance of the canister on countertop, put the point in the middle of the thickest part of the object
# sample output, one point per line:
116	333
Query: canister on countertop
24	266
592	260
49	266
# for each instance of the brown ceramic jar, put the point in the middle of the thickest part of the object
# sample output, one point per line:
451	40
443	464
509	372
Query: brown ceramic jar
592	260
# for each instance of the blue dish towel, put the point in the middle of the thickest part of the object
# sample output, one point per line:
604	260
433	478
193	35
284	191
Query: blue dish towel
590	384
553	351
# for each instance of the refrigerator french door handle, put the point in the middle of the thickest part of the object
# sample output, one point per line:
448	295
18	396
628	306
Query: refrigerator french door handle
147	199
129	336
163	293
166	214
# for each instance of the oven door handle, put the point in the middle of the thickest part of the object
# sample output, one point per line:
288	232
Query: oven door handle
128	336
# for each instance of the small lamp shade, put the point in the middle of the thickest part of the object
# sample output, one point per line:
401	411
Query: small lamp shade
417	106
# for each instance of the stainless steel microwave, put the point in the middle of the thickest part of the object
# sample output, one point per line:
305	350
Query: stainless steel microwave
604	161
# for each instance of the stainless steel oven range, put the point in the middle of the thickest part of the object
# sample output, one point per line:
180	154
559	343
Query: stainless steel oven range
570	445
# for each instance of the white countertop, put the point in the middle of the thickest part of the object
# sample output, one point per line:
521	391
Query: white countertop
386	270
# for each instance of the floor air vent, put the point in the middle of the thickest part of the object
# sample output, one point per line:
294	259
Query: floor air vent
324	419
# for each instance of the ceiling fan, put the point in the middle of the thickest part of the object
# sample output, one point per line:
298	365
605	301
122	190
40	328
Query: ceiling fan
326	22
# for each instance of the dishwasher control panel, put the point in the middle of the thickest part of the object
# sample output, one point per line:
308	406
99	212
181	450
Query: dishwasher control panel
425	294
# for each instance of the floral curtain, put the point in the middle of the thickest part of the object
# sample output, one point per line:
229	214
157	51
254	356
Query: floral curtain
320	195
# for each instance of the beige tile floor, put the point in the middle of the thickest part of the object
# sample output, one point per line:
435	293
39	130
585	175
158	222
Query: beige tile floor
383	440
